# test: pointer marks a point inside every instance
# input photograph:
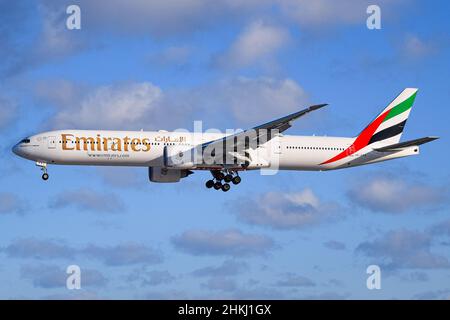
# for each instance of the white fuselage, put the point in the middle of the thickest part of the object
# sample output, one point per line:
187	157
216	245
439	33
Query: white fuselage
146	149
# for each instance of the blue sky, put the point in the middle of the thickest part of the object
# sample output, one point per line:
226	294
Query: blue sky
232	64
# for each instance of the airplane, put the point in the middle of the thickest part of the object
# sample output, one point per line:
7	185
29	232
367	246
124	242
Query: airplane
172	156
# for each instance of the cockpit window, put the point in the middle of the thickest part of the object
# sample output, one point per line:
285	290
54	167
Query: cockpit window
26	140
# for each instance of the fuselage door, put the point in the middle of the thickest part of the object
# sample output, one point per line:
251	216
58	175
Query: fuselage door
51	142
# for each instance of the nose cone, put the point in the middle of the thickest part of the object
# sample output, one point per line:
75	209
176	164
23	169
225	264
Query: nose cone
19	150
25	149
15	149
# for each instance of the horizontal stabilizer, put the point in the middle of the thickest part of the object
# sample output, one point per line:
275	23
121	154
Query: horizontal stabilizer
410	143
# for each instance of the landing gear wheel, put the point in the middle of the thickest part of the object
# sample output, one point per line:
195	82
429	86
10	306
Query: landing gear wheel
236	180
225	187
220	176
228	178
209	184
217	185
45	176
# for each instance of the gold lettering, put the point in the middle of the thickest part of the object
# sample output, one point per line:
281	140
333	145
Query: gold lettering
134	144
98	142
126	140
105	143
117	144
146	143
65	139
85	143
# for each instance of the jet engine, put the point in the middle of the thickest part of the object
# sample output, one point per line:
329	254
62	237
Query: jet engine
165	175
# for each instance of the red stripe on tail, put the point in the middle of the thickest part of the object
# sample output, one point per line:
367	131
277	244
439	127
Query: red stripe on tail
361	141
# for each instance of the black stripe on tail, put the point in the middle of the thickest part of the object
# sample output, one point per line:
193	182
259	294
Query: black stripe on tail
388	132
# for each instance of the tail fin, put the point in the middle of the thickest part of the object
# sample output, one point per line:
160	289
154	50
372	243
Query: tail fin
388	126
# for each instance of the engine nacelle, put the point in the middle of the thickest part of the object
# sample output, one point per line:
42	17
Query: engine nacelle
165	175
179	157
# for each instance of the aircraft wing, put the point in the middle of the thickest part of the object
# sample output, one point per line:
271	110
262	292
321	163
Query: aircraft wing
280	125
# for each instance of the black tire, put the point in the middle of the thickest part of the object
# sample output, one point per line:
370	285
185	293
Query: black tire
220	176
209	184
228	178
217	185
45	176
225	187
236	180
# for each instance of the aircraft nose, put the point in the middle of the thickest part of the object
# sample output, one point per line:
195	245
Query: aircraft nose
15	149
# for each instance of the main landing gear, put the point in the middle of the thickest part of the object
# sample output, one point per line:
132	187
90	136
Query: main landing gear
222	179
43	167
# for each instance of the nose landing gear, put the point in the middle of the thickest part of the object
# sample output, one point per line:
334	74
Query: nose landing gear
226	177
43	167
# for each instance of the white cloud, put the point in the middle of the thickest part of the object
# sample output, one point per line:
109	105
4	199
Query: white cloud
227	242
220	284
324	12
119	106
294	280
174	17
259	41
286	210
116	107
89	200
123	254
51	39
403	249
227	268
166	18
442	294
127	253
331	13
390	194
259	99
145	277
55	39
51	276
39	249
144	105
